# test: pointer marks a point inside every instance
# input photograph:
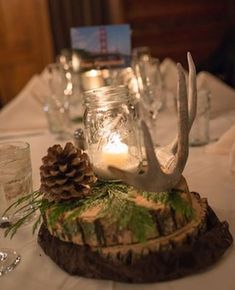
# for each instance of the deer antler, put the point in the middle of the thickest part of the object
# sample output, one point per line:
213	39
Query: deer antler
161	177
166	154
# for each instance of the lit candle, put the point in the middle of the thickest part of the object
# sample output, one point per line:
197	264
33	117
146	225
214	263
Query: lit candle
92	79
114	153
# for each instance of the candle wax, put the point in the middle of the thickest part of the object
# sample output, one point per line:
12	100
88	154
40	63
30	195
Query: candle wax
114	153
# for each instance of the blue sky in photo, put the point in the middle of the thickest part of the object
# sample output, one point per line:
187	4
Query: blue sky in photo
87	38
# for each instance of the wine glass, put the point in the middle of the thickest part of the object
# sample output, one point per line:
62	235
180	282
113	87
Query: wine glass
8	260
151	99
57	105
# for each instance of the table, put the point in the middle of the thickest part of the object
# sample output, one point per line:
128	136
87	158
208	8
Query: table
206	173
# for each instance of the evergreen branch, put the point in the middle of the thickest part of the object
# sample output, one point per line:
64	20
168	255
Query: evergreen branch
116	204
29	197
37	223
12	229
137	219
99	197
161	197
27	205
180	205
127	214
174	199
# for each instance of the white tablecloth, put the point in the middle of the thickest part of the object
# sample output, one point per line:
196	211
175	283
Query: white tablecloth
205	172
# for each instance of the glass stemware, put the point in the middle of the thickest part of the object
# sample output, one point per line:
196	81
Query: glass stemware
15	183
151	100
57	106
8	260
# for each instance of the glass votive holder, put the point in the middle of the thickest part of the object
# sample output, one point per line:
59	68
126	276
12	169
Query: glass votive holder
200	131
57	106
58	116
141	53
112	134
15	177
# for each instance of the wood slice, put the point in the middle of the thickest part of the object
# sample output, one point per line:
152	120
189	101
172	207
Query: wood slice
193	254
102	232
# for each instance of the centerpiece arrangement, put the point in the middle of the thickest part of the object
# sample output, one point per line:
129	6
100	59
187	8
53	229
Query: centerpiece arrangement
104	215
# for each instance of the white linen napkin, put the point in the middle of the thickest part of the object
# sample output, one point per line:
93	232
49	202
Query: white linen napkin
224	144
168	71
25	111
222	113
221	124
24	114
222	96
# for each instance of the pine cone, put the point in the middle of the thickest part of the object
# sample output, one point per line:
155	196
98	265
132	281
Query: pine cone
66	173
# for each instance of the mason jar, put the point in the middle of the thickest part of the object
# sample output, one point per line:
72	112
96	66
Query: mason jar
111	131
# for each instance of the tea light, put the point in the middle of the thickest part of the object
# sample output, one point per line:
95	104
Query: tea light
92	79
114	153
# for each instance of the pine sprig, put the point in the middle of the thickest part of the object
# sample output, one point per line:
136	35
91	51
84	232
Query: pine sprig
28	206
174	199
161	197
126	213
178	204
137	219
25	200
116	205
97	198
37	224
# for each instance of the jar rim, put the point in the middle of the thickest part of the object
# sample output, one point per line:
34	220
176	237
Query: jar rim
106	95
19	145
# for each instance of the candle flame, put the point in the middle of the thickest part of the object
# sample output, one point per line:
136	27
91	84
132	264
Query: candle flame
114	153
115	145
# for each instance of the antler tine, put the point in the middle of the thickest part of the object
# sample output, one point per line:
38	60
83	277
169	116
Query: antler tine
192	90
192	101
183	128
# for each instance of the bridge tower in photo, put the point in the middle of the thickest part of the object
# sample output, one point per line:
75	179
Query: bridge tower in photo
103	40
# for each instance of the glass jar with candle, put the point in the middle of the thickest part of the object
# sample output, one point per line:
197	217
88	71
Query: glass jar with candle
112	133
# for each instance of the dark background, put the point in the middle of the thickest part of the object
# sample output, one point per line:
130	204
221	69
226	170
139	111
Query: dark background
32	33
168	27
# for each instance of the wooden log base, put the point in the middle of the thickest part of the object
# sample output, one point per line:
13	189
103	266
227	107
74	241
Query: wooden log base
177	262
